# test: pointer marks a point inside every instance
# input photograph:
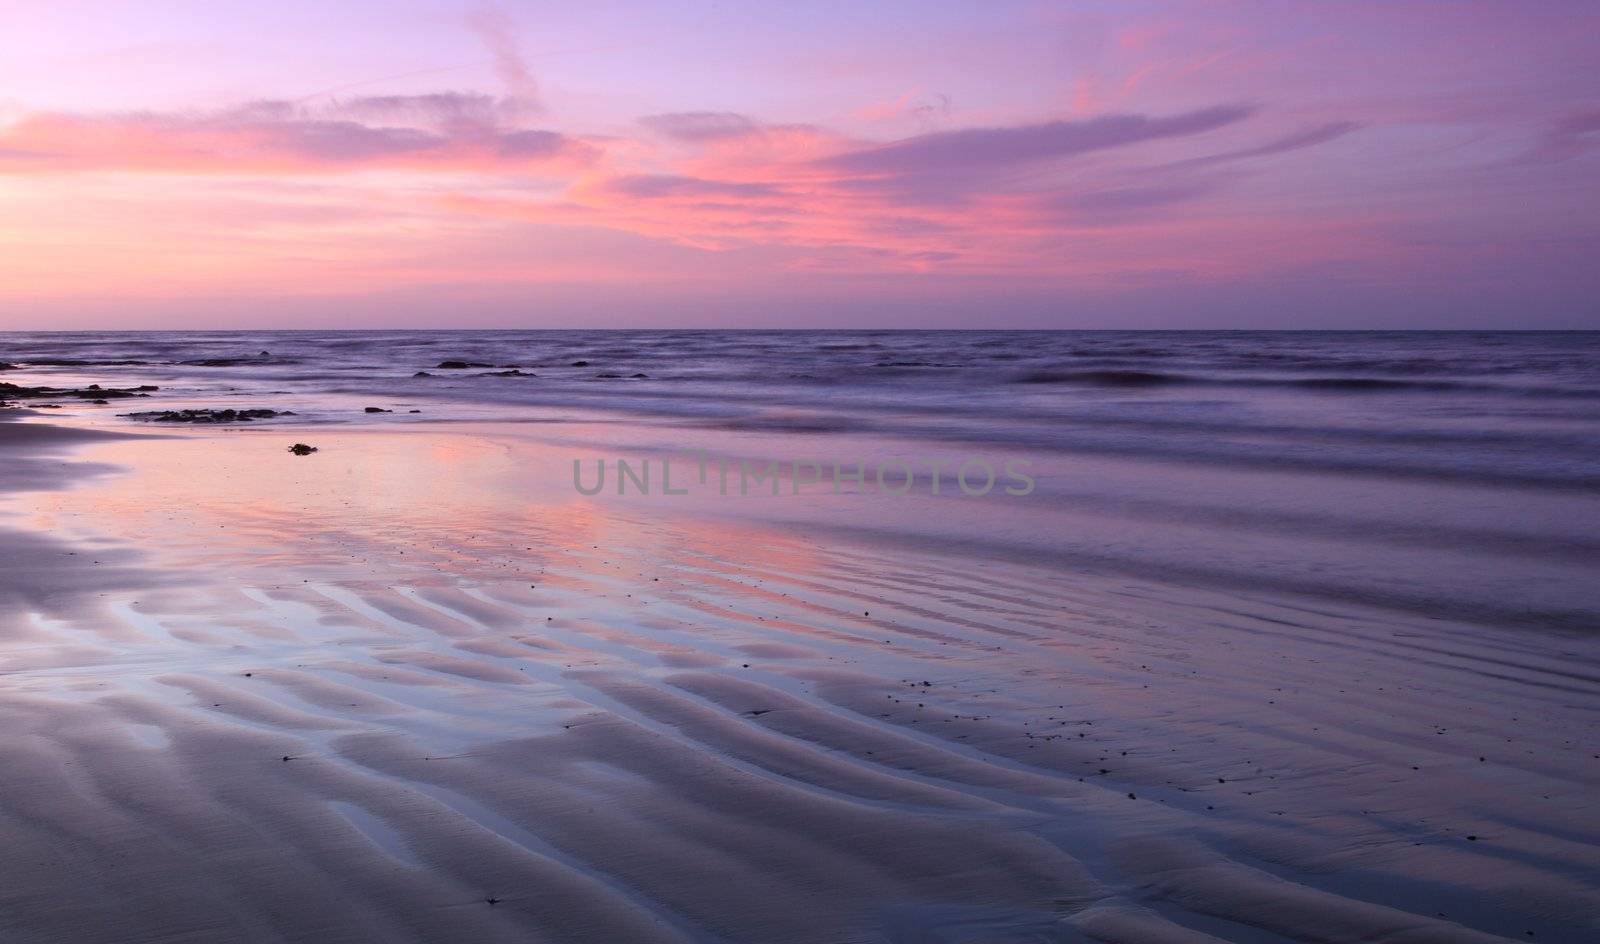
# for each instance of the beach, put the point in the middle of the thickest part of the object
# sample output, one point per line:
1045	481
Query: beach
1287	638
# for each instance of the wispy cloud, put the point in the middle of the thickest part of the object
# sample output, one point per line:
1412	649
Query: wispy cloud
923	108
498	33
452	131
647	186
701	125
972	149
1309	137
1094	204
1570	136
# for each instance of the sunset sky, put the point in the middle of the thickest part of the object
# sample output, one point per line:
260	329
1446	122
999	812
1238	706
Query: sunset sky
180	163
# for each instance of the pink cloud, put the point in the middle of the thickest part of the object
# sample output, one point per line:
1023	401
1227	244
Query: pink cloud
447	131
976	200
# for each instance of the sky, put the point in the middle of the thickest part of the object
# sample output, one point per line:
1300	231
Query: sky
421	163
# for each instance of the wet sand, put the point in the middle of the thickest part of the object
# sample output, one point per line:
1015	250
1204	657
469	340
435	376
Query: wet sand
413	687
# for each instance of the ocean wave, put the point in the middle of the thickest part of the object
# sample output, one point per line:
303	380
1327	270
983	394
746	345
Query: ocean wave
1109	378
1371	383
79	362
1350	384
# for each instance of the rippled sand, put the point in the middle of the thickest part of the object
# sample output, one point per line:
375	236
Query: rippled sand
415	688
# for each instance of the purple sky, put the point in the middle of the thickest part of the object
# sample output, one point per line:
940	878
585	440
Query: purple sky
1139	164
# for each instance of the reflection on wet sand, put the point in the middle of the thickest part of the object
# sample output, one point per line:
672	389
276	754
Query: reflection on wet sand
414	688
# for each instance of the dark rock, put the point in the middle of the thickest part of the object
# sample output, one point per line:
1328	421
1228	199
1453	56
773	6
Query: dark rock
227	361
301	449
580	363
92	392
377	409
641	376
205	416
5	366
100	402
460	365
507	373
608	376
422	373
